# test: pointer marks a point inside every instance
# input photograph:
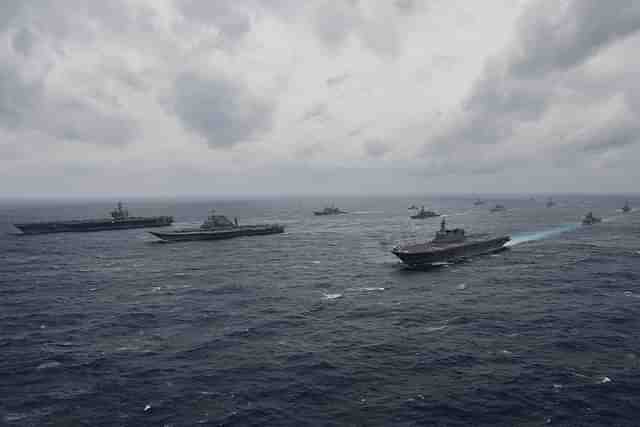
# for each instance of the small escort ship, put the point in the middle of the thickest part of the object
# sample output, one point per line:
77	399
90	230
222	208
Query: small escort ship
626	208
330	210
422	214
218	227
589	219
448	245
498	208
550	203
478	202
119	220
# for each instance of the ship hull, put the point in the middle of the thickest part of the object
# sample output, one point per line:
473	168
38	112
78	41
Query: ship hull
451	252
187	235
92	225
591	222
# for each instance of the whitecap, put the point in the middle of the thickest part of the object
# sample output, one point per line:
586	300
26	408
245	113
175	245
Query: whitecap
440	264
366	289
462	286
436	328
48	365
147	408
15	417
315	262
332	296
605	380
557	386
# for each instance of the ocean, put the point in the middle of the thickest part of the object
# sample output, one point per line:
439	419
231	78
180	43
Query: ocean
321	325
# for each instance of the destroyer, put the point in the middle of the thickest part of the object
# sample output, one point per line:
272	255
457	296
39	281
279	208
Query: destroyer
626	208
498	208
422	214
218	227
332	210
448	245
589	219
119	220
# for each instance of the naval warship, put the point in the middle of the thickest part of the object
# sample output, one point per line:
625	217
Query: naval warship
626	208
119	220
589	219
550	203
498	208
448	245
330	210
218	227
422	214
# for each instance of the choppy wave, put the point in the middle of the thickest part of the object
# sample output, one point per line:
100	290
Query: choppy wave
104	328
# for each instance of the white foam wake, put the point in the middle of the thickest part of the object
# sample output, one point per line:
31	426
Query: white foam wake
539	235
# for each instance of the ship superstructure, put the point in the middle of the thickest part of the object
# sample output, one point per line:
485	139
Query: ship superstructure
590	219
329	210
423	214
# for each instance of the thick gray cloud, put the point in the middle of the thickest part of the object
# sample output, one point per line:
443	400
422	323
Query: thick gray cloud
318	111
392	94
406	6
545	67
219	109
230	18
550	41
17	97
28	106
23	41
28	100
338	80
335	22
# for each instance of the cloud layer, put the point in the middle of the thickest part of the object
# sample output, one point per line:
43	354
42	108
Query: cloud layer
505	95
560	92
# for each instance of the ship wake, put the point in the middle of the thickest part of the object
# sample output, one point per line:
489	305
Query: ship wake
539	235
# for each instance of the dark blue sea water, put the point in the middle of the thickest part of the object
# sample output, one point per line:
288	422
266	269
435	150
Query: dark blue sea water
321	325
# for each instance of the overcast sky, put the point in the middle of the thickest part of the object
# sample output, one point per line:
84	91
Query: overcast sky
244	97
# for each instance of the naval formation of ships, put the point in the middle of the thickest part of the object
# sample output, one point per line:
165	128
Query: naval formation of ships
448	244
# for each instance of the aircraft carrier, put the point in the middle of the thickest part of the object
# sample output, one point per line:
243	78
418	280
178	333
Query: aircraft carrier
448	245
218	227
119	220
